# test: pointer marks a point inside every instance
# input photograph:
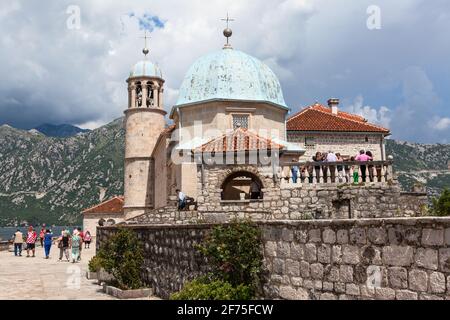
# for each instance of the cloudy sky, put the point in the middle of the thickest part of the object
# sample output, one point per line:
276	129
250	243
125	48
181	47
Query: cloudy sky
394	70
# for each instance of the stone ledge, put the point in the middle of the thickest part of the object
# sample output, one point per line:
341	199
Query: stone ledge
127	294
407	221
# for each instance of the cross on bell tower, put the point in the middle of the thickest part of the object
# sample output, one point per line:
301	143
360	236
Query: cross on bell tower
145	51
227	32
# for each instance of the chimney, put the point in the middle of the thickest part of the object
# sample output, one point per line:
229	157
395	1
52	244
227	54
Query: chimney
333	104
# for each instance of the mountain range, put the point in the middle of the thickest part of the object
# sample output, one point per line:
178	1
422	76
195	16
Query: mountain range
59	131
45	179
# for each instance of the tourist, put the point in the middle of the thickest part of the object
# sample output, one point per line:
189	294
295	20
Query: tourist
370	167
87	239
64	245
254	190
340	168
331	157
181	199
76	244
317	158
363	157
31	241
42	235
48	239
81	235
18	242
294	170
355	171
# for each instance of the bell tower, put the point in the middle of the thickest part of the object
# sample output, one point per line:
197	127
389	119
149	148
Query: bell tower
144	122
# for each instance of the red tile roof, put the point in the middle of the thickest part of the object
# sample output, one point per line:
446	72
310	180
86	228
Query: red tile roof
320	118
239	140
114	205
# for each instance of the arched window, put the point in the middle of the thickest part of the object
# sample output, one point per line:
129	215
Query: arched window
139	97
242	185
101	222
110	222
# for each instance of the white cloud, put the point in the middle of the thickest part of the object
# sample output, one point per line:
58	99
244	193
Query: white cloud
440	124
381	116
318	49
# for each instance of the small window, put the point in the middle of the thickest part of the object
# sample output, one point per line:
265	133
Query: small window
240	121
310	141
367	139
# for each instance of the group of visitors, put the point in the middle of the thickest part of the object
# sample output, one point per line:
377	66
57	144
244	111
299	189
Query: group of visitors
330	157
66	241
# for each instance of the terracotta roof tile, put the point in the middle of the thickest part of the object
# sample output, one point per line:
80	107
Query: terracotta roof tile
239	140
114	205
320	118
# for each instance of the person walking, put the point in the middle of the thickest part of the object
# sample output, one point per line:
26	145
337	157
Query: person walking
81	235
64	245
42	235
76	243
48	239
18	242
31	241
87	239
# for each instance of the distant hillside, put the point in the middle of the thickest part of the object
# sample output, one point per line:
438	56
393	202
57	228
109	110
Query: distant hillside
421	163
44	179
60	131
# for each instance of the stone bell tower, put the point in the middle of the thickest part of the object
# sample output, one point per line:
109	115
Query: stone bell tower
144	122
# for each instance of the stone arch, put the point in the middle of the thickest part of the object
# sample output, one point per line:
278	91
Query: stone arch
241	181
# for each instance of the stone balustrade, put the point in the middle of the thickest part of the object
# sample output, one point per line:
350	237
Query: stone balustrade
336	172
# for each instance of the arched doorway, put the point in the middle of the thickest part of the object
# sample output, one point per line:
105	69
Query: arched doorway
242	185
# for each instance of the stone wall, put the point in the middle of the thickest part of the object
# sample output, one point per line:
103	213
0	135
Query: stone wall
170	258
406	258
359	259
296	202
348	144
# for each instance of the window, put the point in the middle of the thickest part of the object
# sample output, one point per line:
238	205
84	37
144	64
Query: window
240	121
310	141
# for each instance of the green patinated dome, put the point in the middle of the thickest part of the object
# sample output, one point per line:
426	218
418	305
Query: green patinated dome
230	75
145	68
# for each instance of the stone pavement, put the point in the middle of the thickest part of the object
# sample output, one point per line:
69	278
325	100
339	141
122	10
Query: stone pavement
41	279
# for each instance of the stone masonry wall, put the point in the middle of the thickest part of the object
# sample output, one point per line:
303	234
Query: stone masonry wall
359	259
345	144
296	202
406	258
170	258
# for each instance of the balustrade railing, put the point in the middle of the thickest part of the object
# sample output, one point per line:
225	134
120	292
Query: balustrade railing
336	172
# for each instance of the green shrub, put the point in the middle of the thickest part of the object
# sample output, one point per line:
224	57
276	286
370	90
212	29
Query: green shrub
206	289
235	253
95	264
441	206
122	257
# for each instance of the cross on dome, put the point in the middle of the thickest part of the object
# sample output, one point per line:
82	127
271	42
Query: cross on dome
227	32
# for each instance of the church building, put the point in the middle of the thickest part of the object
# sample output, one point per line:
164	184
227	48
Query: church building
230	145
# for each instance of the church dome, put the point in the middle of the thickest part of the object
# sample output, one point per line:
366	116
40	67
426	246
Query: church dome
230	75
145	68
